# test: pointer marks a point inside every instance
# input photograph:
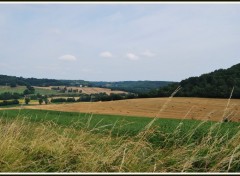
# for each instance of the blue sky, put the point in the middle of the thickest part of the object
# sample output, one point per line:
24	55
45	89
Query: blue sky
116	42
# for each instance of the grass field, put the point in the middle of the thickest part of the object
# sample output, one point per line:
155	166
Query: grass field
54	141
131	124
43	91
180	108
20	89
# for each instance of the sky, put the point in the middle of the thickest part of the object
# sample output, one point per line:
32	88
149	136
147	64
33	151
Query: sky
118	41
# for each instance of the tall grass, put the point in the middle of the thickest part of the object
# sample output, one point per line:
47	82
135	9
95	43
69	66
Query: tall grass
63	146
48	147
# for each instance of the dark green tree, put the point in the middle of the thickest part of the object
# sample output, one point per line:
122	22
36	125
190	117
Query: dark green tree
46	101
40	101
27	100
13	84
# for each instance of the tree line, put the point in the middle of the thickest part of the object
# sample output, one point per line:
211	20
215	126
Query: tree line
13	81
132	86
95	97
9	102
13	95
216	84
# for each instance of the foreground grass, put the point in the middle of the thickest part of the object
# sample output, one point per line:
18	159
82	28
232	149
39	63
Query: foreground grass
51	141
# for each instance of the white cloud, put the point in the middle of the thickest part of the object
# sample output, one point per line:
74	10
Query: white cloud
67	57
148	53
132	56
106	54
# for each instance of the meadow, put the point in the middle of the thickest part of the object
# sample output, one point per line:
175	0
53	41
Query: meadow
54	141
20	89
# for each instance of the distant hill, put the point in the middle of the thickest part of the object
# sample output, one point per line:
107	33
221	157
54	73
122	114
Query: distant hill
13	81
216	84
128	86
132	86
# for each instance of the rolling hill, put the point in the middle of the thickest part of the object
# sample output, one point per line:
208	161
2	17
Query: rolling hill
133	86
128	86
216	84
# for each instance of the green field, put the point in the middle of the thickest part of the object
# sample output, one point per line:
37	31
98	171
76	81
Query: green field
54	141
20	89
124	125
45	91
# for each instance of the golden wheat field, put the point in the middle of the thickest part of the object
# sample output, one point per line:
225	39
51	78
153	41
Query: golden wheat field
176	107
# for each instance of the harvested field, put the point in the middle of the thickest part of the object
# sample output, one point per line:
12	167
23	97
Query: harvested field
189	108
87	90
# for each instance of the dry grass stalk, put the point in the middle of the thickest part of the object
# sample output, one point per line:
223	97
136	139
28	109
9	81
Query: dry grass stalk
225	117
30	147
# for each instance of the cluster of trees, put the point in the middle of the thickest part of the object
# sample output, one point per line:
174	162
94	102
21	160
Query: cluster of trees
29	90
9	96
14	95
13	81
40	99
217	84
95	97
160	92
138	87
58	100
65	89
9	102
44	99
106	97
